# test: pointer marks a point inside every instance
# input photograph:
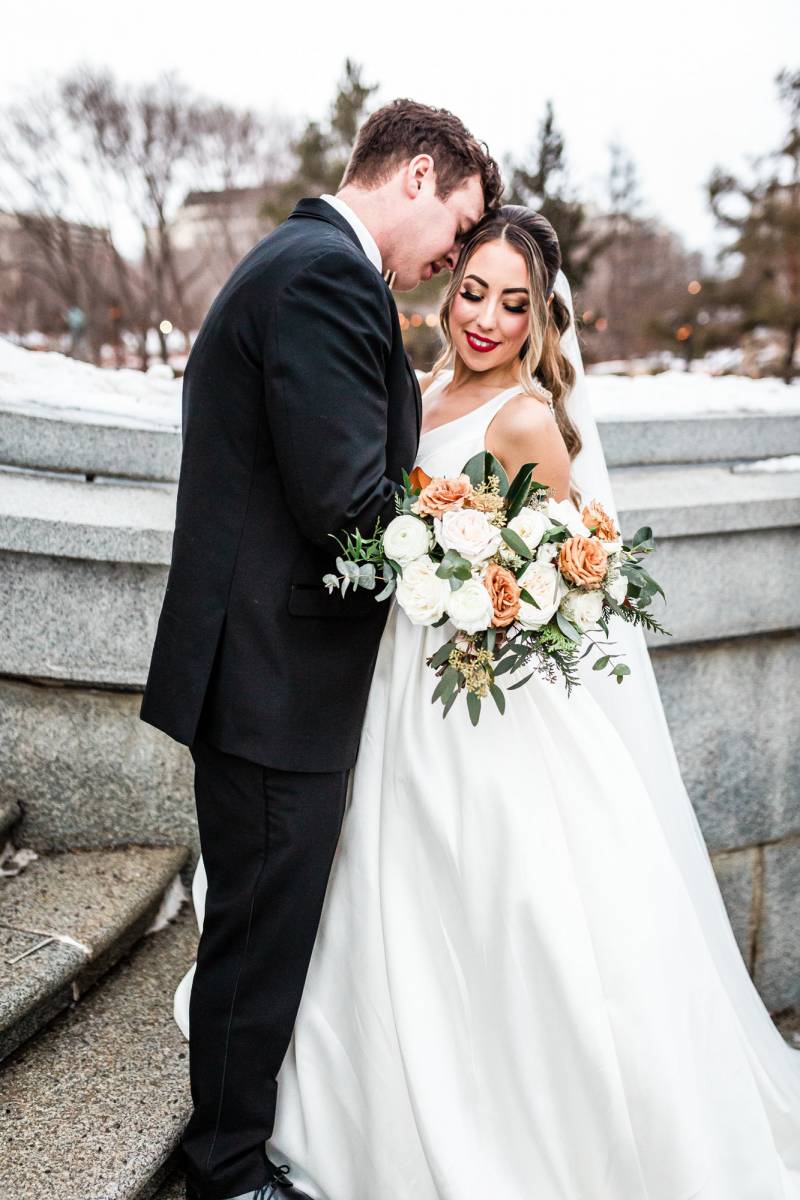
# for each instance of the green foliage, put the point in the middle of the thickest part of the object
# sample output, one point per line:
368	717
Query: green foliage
762	215
542	183
321	151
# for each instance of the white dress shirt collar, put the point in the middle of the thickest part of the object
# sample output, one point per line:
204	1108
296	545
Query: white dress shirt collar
368	243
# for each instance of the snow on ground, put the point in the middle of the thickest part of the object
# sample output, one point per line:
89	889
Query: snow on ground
685	394
786	462
52	384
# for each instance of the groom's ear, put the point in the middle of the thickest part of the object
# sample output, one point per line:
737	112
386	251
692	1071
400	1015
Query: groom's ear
419	172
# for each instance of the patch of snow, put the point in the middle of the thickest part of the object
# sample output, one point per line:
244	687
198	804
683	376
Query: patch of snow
13	861
51	384
171	904
784	462
688	394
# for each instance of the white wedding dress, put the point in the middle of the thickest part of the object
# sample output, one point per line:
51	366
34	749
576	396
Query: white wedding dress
511	992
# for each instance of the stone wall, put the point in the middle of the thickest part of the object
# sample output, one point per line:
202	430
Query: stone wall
85	526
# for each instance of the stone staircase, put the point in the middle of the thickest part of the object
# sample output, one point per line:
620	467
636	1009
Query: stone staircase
94	1090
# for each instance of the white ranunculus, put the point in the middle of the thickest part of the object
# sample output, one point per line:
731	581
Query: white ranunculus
566	512
421	594
547	552
612	547
618	588
405	539
470	607
547	587
583	609
469	532
531	524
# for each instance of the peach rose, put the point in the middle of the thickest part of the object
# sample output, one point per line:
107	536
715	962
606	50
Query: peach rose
584	561
593	513
442	495
504	593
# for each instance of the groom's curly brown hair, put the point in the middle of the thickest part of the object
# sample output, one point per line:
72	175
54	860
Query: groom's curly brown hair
398	131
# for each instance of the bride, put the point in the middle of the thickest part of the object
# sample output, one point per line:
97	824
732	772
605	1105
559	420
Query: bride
524	982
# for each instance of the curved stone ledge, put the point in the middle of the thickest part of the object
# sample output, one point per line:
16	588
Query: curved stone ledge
85	771
739	754
83	566
106	522
720	437
78	620
106	444
90	445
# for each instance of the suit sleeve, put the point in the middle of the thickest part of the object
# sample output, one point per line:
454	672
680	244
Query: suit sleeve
325	360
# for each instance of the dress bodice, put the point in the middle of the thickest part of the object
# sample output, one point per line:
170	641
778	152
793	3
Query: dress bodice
445	449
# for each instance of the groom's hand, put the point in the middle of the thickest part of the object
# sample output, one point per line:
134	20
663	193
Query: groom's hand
325	362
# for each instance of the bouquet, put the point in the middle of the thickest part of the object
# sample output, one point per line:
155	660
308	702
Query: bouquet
524	579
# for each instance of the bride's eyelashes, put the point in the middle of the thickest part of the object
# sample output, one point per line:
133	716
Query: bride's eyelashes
512	308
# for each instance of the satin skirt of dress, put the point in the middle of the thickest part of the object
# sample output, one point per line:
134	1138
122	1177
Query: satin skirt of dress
509	993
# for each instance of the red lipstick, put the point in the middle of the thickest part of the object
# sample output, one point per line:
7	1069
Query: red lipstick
481	344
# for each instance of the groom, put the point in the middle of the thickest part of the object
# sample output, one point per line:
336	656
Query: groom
300	410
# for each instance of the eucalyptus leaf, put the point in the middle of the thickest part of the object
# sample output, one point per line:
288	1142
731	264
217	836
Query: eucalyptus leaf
386	592
601	662
515	543
473	707
520	682
498	697
442	655
528	598
567	628
505	664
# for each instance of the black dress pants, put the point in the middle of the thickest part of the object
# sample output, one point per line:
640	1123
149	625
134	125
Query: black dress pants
268	839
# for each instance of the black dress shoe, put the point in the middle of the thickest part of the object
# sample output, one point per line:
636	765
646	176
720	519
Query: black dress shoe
278	1187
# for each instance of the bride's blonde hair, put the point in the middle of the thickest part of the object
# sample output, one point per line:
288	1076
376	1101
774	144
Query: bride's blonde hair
542	361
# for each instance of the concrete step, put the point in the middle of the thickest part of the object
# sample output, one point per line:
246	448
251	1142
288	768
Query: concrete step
94	1108
95	904
9	815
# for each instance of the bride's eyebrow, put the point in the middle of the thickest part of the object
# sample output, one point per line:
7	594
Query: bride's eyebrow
483	283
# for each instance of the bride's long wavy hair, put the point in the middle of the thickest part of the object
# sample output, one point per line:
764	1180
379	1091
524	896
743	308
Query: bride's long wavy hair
541	356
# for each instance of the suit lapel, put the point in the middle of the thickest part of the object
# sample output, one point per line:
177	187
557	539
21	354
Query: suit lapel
319	210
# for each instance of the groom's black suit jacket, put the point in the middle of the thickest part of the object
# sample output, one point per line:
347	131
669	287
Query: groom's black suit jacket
300	409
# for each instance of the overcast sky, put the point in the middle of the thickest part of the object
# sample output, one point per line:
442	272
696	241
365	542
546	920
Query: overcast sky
683	86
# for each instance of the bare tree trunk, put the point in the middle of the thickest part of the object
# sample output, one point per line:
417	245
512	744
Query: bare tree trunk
792	335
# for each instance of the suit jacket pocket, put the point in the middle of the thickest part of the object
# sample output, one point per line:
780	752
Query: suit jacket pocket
314	600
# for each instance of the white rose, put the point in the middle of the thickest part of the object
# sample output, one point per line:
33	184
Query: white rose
566	512
470	607
547	552
421	594
547	587
618	588
531	525
583	609
405	539
469	533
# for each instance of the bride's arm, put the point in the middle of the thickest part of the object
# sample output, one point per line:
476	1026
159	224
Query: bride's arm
525	431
